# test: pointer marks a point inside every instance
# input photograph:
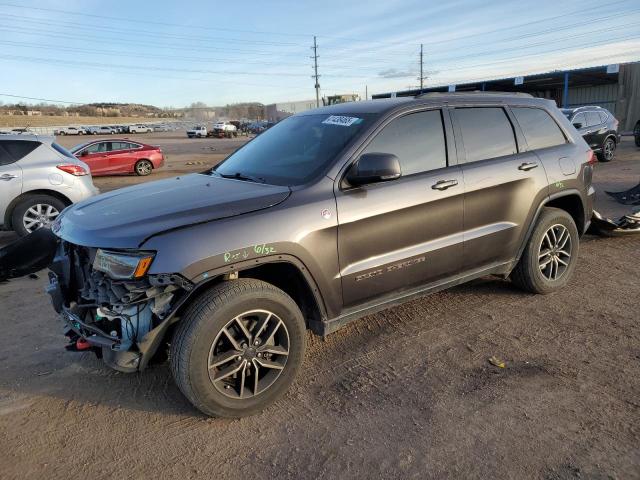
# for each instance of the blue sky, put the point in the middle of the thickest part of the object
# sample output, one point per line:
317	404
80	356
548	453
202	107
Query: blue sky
173	53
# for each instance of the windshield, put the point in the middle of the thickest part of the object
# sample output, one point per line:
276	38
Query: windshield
62	150
295	150
77	148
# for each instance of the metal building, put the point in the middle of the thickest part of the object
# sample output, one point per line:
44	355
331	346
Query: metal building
277	111
614	87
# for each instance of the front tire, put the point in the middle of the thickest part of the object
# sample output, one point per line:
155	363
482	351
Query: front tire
238	348
549	259
636	134
608	150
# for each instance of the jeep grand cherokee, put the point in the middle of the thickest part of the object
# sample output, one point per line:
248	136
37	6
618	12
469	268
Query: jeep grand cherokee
328	216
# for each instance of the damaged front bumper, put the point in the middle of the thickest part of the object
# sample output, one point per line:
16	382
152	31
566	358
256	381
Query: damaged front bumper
122	321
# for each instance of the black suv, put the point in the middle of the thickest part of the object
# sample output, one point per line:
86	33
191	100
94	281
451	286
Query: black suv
598	127
328	216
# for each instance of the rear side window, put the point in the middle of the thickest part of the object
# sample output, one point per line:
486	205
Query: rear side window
540	130
416	139
593	119
486	133
19	149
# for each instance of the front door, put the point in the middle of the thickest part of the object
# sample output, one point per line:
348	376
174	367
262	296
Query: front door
96	156
407	232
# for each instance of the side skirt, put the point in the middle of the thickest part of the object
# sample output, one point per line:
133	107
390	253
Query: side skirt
389	301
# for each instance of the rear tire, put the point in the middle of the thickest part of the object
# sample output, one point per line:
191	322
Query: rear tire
143	168
549	259
636	134
232	388
608	150
35	211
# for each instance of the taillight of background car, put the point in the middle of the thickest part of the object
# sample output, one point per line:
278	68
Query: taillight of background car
75	170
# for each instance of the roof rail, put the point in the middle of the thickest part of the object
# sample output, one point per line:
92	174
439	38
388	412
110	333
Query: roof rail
474	92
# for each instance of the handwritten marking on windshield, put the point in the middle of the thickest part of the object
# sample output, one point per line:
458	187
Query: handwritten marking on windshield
341	120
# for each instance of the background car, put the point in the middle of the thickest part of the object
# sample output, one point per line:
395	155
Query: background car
139	128
198	131
69	131
109	157
598	127
38	179
101	130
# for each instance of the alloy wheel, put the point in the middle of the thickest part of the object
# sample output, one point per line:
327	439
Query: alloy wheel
609	148
249	354
143	168
39	215
554	254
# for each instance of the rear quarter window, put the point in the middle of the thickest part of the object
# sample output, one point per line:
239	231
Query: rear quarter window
486	133
18	149
539	128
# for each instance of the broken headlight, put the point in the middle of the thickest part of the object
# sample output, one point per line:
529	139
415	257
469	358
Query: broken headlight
123	266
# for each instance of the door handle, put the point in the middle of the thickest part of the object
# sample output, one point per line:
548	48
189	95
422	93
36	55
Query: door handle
444	184
528	166
8	176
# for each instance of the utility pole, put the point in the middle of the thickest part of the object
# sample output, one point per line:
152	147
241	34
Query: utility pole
421	74
315	67
366	92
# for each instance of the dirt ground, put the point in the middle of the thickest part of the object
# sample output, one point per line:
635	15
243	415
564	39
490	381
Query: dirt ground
406	393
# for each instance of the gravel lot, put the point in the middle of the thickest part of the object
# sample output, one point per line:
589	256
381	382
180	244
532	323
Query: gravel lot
406	393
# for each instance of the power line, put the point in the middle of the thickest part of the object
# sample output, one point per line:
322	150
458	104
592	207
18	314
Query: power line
151	22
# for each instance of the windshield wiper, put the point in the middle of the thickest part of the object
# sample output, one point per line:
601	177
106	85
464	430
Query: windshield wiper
242	176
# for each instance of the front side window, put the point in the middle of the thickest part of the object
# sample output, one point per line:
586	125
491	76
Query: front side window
579	119
539	129
97	147
416	139
295	150
486	133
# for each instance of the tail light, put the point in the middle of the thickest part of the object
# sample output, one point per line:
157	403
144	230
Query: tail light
75	170
591	157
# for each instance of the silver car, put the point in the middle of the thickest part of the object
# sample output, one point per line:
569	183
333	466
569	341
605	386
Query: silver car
38	179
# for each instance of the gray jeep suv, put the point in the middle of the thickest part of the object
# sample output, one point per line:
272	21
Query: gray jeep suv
330	215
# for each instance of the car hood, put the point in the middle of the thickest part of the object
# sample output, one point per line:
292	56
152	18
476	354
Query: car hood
125	218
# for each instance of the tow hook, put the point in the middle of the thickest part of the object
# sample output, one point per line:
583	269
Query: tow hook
82	344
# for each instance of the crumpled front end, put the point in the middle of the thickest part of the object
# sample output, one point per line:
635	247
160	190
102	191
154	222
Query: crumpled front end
122	320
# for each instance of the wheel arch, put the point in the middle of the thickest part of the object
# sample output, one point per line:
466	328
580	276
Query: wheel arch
12	205
570	201
286	273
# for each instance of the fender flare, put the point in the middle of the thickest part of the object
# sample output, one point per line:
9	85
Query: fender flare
543	203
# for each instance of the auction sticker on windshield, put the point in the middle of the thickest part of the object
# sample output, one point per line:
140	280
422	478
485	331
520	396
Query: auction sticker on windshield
342	120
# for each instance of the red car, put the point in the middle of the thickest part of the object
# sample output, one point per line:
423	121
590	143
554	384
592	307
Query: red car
108	157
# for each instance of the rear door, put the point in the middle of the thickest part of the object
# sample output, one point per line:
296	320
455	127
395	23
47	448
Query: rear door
503	185
10	176
406	232
579	121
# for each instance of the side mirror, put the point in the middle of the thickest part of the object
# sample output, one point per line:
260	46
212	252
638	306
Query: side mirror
577	125
84	153
374	168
